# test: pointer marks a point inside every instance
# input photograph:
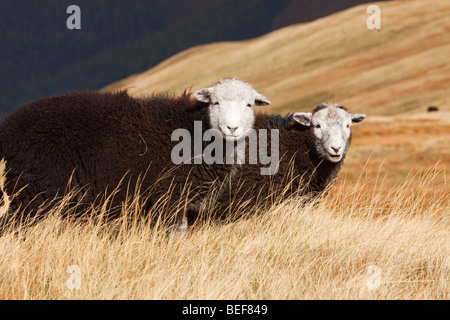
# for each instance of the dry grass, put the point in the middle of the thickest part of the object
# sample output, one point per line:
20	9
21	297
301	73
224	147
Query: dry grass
398	147
290	251
389	208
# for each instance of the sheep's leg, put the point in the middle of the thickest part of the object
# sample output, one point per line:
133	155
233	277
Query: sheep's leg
180	228
182	225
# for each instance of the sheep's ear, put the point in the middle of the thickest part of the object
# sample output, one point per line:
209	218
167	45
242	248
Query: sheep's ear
304	118
203	95
357	117
260	100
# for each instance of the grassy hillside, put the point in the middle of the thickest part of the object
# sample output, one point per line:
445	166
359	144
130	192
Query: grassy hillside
402	68
381	233
361	242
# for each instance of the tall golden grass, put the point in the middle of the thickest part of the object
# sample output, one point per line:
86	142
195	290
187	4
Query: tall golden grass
359	242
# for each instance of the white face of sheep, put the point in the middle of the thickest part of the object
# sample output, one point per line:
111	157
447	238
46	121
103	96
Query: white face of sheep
330	124
231	107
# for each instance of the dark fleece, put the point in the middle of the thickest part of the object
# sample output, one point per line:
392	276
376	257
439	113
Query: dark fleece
301	169
94	140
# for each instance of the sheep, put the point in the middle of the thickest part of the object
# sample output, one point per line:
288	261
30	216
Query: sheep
96	141
312	147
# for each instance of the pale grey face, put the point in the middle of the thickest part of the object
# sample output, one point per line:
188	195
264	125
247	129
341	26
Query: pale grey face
231	106
331	126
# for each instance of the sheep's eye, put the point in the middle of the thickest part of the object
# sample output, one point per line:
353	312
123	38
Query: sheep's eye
216	104
348	126
317	126
249	105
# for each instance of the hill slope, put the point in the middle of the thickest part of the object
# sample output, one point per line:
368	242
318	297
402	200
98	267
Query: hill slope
39	56
401	68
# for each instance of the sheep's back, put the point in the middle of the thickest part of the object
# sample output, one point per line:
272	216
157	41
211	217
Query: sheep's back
94	139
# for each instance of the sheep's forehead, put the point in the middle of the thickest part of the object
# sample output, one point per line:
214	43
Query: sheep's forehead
332	114
233	90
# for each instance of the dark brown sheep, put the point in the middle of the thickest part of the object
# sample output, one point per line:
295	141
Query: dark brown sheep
94	140
312	147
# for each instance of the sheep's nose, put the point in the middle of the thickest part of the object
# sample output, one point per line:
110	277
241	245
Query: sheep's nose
336	149
232	129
